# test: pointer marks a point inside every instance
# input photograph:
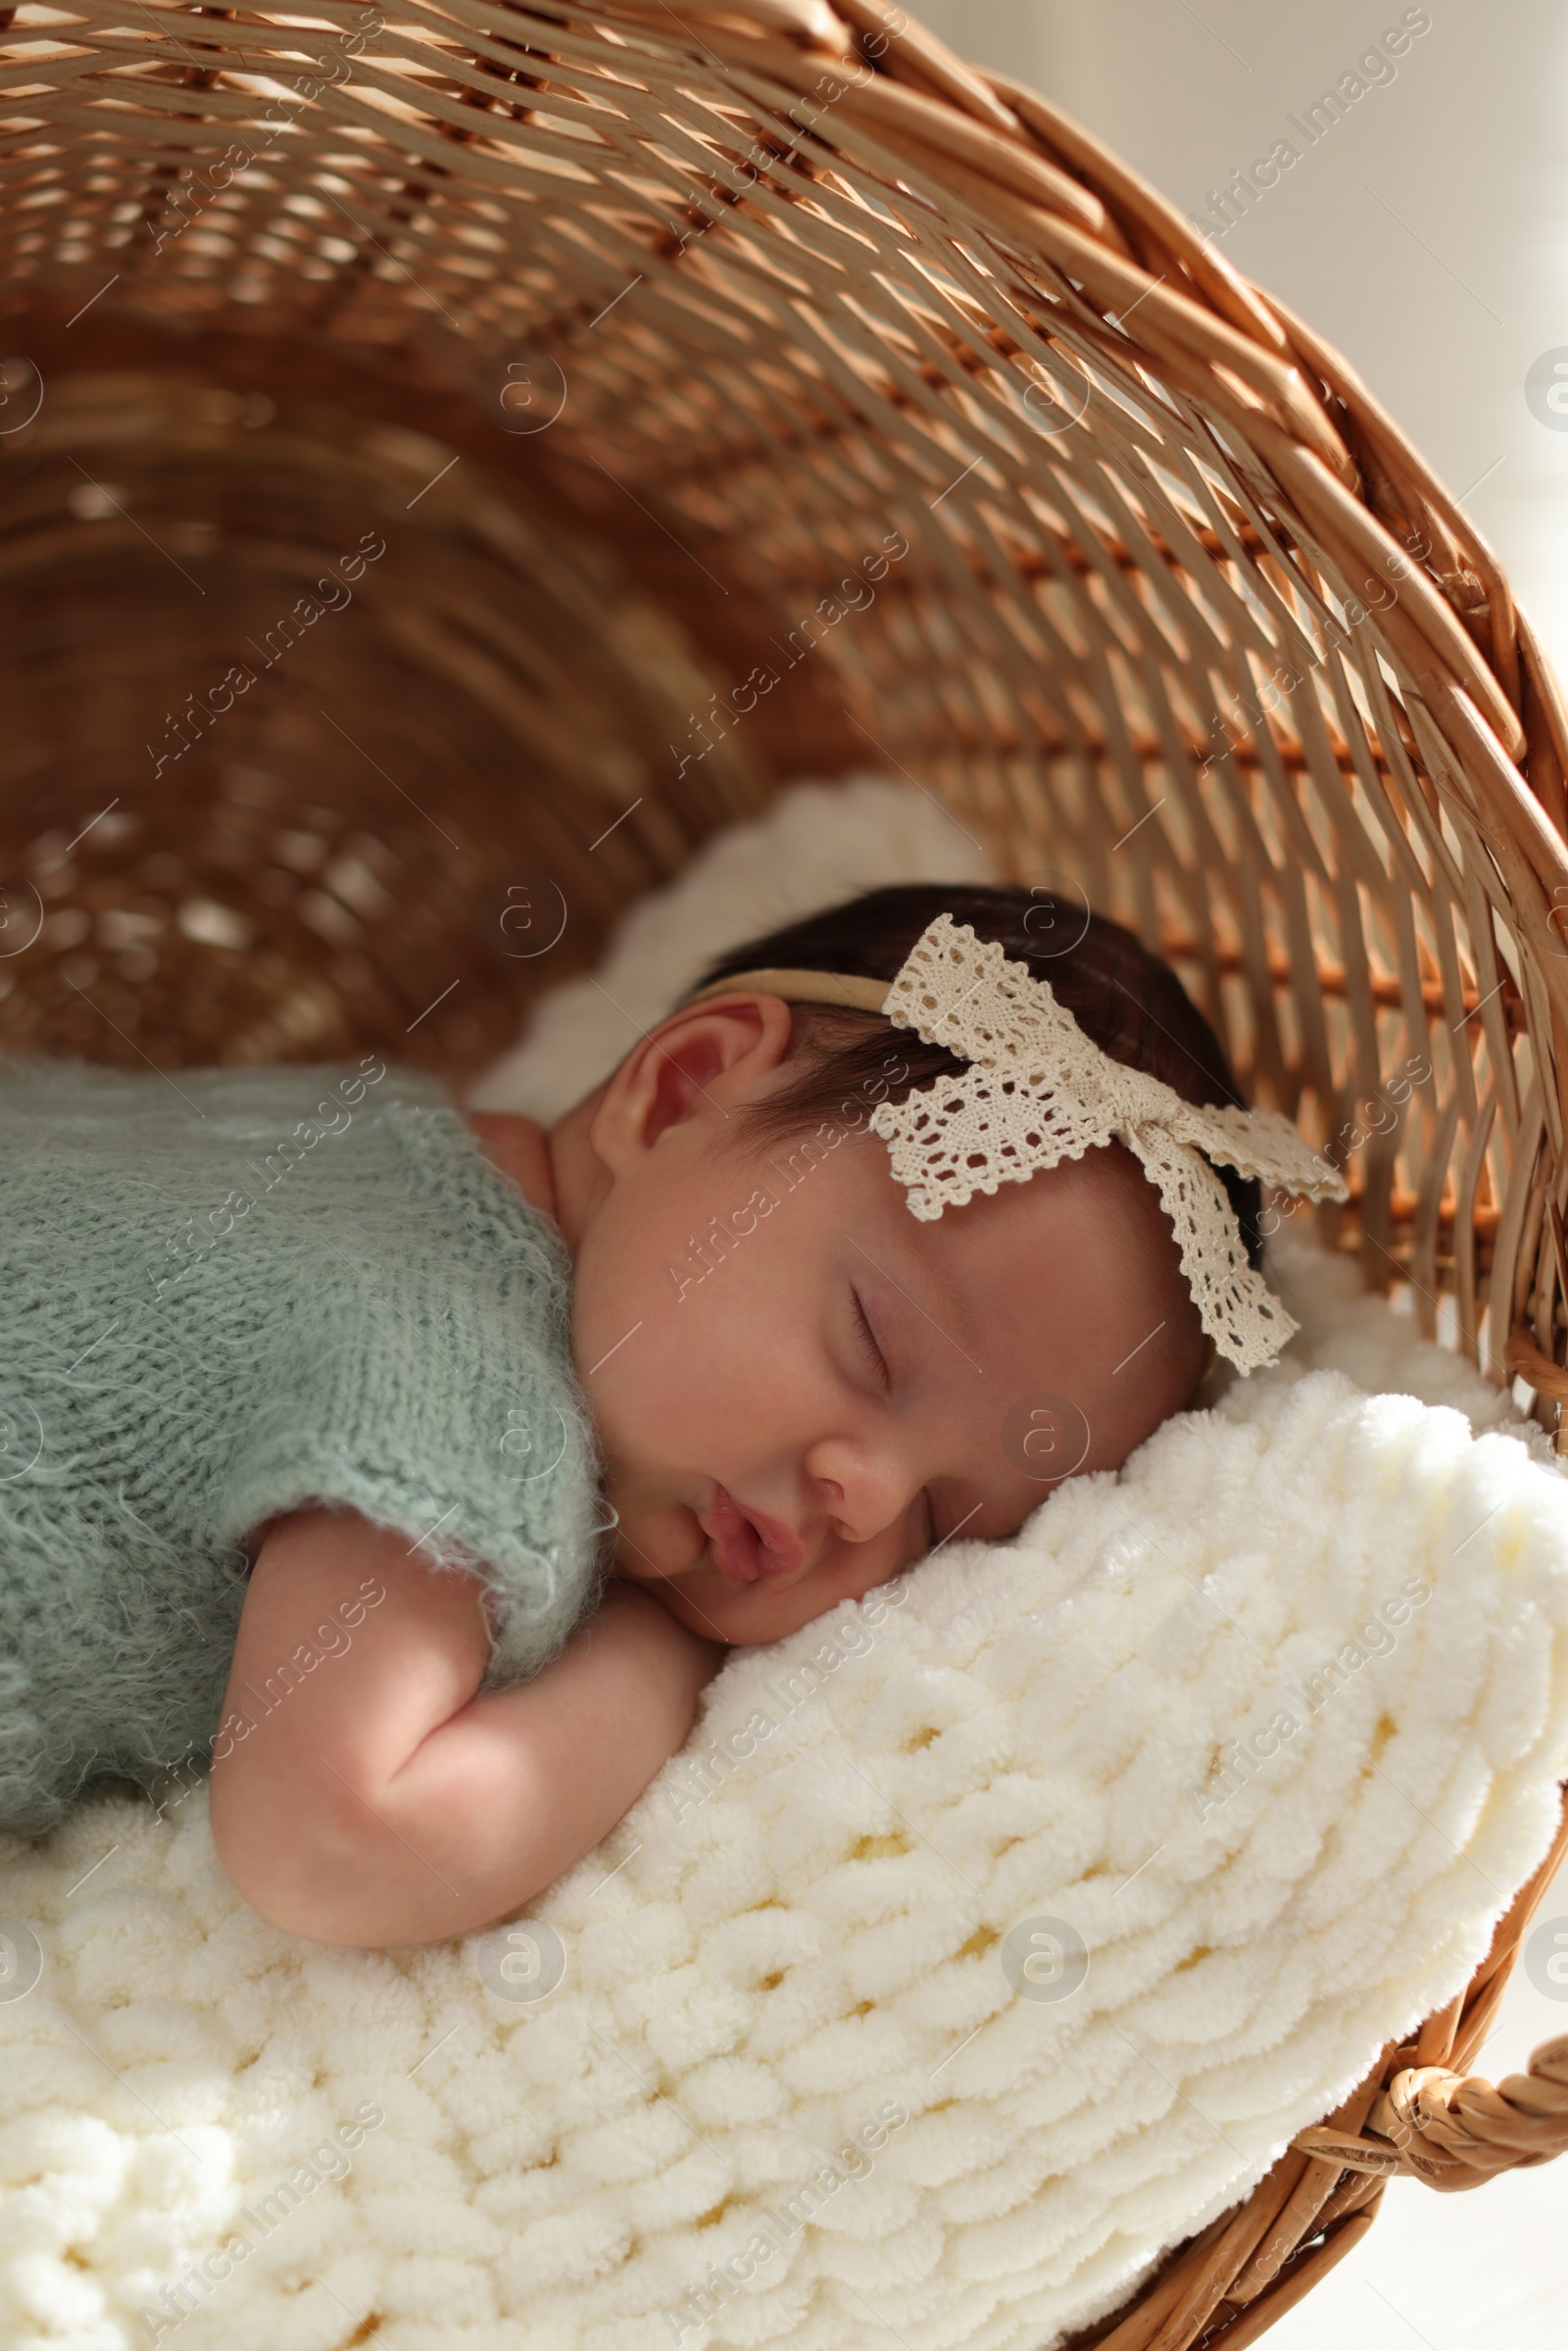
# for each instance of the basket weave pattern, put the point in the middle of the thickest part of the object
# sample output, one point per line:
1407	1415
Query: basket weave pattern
733	390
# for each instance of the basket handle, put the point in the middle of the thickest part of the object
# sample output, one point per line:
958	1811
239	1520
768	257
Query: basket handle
1433	2121
1454	2130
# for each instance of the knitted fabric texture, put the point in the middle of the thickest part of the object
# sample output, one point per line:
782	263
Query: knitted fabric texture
225	1293
1040	1090
806	2053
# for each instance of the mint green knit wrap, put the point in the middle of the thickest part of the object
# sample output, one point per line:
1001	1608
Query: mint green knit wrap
226	1292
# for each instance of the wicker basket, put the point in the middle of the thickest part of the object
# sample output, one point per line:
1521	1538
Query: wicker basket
449	466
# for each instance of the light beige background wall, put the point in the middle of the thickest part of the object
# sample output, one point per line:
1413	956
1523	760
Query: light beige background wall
1426	234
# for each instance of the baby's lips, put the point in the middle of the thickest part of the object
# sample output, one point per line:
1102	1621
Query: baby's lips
734	1540
781	1554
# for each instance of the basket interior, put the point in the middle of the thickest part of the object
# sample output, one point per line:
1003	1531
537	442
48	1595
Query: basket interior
295	750
708	430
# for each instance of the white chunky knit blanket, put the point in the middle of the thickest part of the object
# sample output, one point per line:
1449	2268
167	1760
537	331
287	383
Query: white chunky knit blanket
989	1935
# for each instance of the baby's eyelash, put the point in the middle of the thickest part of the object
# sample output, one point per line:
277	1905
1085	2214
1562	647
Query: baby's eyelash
878	1359
927	1508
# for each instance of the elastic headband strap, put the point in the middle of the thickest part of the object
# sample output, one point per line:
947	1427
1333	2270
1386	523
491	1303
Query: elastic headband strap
804	987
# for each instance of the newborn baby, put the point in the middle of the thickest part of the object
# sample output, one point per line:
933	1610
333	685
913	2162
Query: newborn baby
795	1386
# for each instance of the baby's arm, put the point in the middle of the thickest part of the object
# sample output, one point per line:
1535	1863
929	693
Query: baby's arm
383	1800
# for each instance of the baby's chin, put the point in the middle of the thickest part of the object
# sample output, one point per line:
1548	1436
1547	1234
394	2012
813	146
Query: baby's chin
743	1617
667	1552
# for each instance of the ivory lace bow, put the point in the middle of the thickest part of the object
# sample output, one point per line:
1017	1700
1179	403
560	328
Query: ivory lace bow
1040	1090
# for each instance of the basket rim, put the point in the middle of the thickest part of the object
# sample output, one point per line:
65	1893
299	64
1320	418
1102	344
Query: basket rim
1043	188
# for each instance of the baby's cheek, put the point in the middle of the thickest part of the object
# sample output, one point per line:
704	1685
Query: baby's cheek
698	1327
664	1539
744	1322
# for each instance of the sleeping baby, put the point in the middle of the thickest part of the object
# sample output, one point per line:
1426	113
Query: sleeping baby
418	1471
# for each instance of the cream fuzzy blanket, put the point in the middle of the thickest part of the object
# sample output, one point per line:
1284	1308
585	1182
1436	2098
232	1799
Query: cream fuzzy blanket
989	1934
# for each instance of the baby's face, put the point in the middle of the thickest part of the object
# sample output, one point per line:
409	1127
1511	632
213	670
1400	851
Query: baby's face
770	1453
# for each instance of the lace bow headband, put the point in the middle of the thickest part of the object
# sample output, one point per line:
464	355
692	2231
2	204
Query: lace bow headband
1040	1090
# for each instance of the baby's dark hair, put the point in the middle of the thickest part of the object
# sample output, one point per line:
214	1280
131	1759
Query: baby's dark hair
1127	999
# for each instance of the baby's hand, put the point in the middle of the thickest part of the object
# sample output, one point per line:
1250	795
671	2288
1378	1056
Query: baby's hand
382	1800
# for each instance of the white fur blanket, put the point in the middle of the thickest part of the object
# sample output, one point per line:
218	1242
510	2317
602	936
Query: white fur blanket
988	1935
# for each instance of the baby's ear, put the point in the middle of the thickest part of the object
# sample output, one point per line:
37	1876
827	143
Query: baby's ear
705	1062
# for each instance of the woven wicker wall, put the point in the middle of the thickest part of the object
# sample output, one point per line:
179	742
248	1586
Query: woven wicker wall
733	394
